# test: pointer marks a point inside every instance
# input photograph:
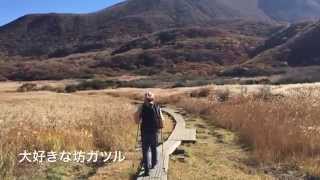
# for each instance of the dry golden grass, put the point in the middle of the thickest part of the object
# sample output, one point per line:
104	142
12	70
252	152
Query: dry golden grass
55	122
278	129
49	121
12	86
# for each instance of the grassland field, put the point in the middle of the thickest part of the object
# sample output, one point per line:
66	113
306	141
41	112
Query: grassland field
272	124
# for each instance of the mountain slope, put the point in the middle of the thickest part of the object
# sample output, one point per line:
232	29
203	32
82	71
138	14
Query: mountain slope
176	51
56	35
291	10
300	50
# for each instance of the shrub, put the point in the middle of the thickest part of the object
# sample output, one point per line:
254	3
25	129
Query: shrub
27	87
141	83
166	36
92	85
203	92
71	88
52	88
222	95
179	84
2	78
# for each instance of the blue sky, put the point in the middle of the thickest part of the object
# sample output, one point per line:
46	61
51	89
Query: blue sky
12	9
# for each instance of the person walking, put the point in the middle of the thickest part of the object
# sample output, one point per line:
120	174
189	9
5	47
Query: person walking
150	118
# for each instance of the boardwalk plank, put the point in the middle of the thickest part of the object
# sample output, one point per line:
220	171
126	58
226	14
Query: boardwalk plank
188	135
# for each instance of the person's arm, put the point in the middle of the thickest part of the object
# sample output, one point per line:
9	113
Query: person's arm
137	115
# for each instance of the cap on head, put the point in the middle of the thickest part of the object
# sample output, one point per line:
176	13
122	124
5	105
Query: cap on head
149	96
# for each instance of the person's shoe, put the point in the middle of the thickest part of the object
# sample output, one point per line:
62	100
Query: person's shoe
146	173
154	165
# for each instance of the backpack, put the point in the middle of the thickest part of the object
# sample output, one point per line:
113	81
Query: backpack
157	110
153	116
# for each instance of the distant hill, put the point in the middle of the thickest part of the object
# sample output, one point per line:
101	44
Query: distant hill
197	51
296	46
291	10
289	56
57	35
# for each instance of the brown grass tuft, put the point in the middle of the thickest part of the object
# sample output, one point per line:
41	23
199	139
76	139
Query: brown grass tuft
59	122
277	129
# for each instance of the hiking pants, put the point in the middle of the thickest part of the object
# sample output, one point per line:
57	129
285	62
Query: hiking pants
149	141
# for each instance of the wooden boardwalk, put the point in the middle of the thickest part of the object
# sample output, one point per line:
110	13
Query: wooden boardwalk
178	135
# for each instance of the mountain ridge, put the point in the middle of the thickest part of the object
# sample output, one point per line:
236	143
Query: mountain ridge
55	35
62	34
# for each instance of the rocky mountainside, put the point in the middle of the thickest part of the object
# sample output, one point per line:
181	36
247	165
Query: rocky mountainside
292	55
296	46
